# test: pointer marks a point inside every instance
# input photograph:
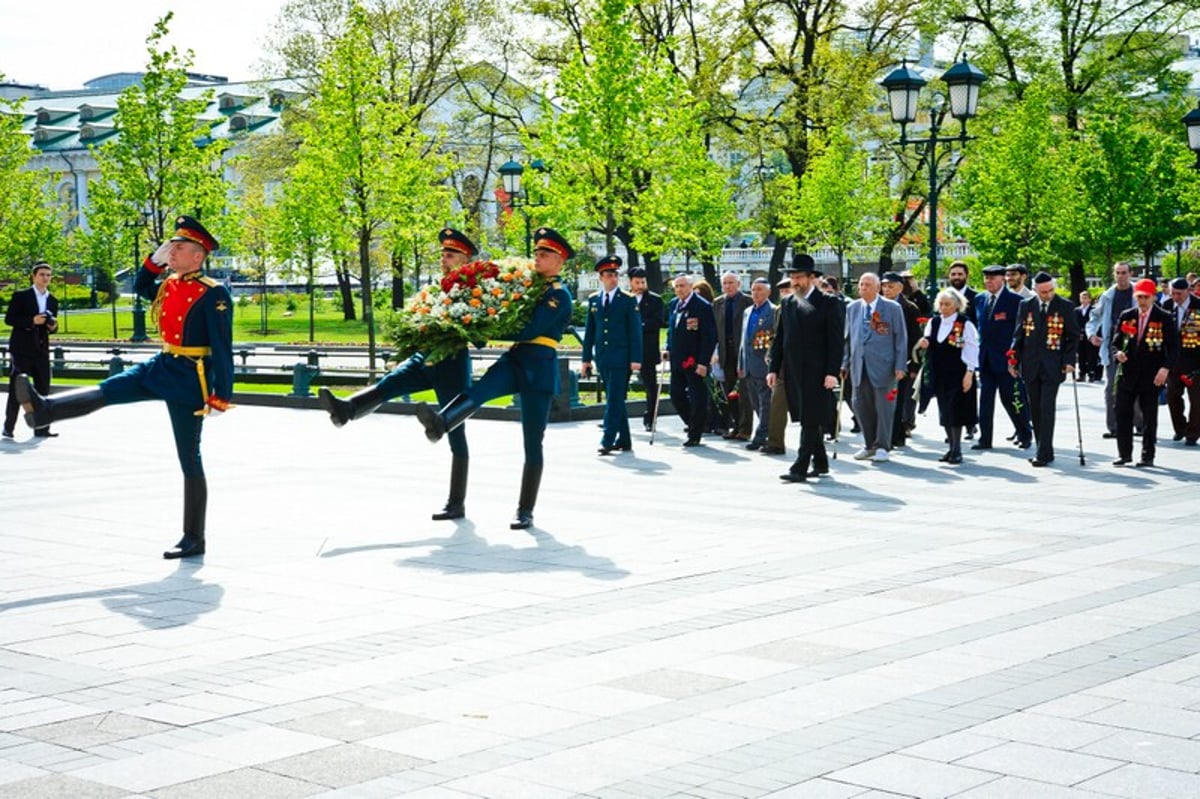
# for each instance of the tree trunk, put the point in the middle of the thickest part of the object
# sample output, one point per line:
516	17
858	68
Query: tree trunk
654	273
775	270
364	262
343	278
397	280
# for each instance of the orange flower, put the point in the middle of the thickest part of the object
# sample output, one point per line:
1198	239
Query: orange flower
516	295
466	320
491	311
475	303
476	292
527	282
503	303
497	292
446	301
506	277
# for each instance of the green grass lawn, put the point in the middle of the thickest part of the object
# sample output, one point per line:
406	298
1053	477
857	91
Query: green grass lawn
331	328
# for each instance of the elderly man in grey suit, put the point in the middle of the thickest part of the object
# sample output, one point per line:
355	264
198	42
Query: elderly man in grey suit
758	330
876	358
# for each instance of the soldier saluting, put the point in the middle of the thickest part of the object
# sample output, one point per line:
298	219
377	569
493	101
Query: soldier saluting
193	374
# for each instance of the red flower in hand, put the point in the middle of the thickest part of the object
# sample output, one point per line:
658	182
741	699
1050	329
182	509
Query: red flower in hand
891	395
1187	380
921	320
688	362
733	395
1012	357
1129	328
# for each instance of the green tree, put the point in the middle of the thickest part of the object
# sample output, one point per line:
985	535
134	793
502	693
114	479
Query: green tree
164	162
31	222
365	149
843	203
1021	186
628	152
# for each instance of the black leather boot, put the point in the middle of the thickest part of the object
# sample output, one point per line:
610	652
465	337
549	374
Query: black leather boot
195	504
531	479
356	406
458	490
41	411
438	423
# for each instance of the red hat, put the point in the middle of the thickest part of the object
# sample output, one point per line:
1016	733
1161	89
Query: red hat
1146	286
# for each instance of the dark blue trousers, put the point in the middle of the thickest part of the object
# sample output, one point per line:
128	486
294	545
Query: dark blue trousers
989	383
448	378
616	415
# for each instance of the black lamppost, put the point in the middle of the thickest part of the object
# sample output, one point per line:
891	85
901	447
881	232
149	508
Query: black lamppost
139	311
510	174
904	88
1192	121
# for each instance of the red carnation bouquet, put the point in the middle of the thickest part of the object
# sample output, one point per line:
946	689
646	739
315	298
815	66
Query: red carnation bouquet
475	302
1128	332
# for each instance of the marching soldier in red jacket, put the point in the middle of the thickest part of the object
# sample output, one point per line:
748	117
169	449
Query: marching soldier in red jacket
193	374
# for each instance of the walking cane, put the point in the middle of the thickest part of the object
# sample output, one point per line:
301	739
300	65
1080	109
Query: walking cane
837	417
1078	424
662	374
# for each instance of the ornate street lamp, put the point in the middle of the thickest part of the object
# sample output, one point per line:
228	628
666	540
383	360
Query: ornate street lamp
139	311
510	174
1192	121
904	86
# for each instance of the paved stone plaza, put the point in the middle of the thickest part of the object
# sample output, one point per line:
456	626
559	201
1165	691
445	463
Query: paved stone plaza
679	623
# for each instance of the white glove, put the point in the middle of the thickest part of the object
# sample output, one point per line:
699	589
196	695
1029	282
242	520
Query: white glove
160	255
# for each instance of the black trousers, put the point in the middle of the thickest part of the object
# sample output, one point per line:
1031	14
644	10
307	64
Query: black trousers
689	395
1043	399
1186	423
1145	398
38	368
812	449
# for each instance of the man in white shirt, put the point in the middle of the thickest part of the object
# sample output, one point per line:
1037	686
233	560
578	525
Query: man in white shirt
32	315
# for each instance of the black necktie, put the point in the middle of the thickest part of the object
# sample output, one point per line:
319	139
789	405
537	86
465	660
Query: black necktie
606	301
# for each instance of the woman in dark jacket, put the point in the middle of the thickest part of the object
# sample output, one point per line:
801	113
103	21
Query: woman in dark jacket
951	343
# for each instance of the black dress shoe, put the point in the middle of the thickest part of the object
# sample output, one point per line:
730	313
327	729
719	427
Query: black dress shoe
980	445
955	458
1145	463
754	445
1109	435
856	428
8	434
692	442
793	477
1122	462
767	450
945	457
188	547
606	450
1191	442
1026	444
522	521
1040	462
44	434
1177	437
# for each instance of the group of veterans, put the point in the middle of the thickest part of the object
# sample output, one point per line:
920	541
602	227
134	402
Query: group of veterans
888	353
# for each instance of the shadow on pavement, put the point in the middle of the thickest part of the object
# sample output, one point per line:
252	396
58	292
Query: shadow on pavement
466	551
154	605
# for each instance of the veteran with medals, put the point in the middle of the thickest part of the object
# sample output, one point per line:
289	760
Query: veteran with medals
193	374
1043	353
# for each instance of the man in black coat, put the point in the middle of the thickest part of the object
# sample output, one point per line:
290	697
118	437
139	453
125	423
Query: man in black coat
654	313
1044	345
996	309
729	311
1143	351
809	345
1185	377
691	338
33	316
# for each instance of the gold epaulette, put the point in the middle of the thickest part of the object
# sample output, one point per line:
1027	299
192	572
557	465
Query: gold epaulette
208	281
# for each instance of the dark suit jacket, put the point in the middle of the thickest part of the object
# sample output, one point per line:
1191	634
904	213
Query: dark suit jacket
1039	353
809	346
1159	347
654	315
996	328
692	332
1189	335
27	339
729	341
613	334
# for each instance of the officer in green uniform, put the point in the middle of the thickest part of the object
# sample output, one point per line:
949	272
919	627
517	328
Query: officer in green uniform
193	374
614	336
529	368
448	377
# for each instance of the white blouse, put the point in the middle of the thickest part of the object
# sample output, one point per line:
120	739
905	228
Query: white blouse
970	348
